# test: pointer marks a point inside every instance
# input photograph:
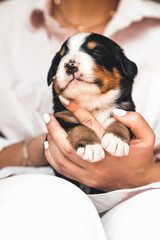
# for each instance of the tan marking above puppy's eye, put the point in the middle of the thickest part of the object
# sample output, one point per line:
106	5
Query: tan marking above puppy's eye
91	45
62	51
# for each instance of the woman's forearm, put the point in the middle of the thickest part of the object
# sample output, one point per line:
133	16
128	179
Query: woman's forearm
13	155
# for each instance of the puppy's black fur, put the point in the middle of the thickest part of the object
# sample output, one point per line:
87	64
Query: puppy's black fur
105	54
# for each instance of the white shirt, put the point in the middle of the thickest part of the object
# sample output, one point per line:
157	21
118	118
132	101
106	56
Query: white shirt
26	54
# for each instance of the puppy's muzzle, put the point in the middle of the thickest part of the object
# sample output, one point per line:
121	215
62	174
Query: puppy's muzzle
71	67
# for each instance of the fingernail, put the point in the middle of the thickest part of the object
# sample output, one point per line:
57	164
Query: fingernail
46	145
119	112
63	100
46	118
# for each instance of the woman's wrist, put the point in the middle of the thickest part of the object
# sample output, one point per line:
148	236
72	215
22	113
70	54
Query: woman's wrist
23	153
26	158
35	152
151	175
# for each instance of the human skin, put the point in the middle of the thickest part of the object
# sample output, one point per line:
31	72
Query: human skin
136	169
93	17
13	155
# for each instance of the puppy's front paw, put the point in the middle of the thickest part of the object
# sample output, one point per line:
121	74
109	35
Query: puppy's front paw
114	145
91	152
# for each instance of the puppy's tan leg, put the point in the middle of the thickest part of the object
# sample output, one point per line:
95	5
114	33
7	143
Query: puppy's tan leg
116	140
86	142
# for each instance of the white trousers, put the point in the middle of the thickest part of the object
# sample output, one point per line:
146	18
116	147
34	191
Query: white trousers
36	207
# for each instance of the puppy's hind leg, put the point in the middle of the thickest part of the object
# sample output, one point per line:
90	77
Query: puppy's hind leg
86	143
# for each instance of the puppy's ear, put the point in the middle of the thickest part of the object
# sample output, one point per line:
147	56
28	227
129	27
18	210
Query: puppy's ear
128	67
53	68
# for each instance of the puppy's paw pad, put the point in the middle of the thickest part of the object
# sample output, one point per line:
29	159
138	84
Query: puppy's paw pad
91	153
114	145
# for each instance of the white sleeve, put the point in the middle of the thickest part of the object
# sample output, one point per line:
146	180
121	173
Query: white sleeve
22	103
13	123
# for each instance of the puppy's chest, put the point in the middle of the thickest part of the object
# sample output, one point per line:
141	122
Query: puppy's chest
104	116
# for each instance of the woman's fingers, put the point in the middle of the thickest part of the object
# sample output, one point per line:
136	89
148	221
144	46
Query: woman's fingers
136	123
59	136
83	116
56	131
60	169
63	165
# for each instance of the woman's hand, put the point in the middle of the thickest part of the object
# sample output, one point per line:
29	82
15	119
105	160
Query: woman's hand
136	169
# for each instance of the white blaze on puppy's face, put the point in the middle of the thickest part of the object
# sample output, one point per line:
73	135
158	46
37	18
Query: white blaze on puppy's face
76	83
76	41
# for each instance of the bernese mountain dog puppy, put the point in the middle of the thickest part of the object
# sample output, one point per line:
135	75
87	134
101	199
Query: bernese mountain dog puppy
93	71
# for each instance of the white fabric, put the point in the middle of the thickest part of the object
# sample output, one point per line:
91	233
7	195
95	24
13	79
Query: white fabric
106	201
25	60
46	207
135	219
41	207
10	171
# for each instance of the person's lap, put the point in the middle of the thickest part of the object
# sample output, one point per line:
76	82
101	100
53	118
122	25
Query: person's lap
134	219
46	207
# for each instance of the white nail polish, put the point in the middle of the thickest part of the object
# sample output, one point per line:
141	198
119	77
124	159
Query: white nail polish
119	112
46	118
46	145
63	100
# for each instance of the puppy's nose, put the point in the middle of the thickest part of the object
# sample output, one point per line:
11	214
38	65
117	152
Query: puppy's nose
71	67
